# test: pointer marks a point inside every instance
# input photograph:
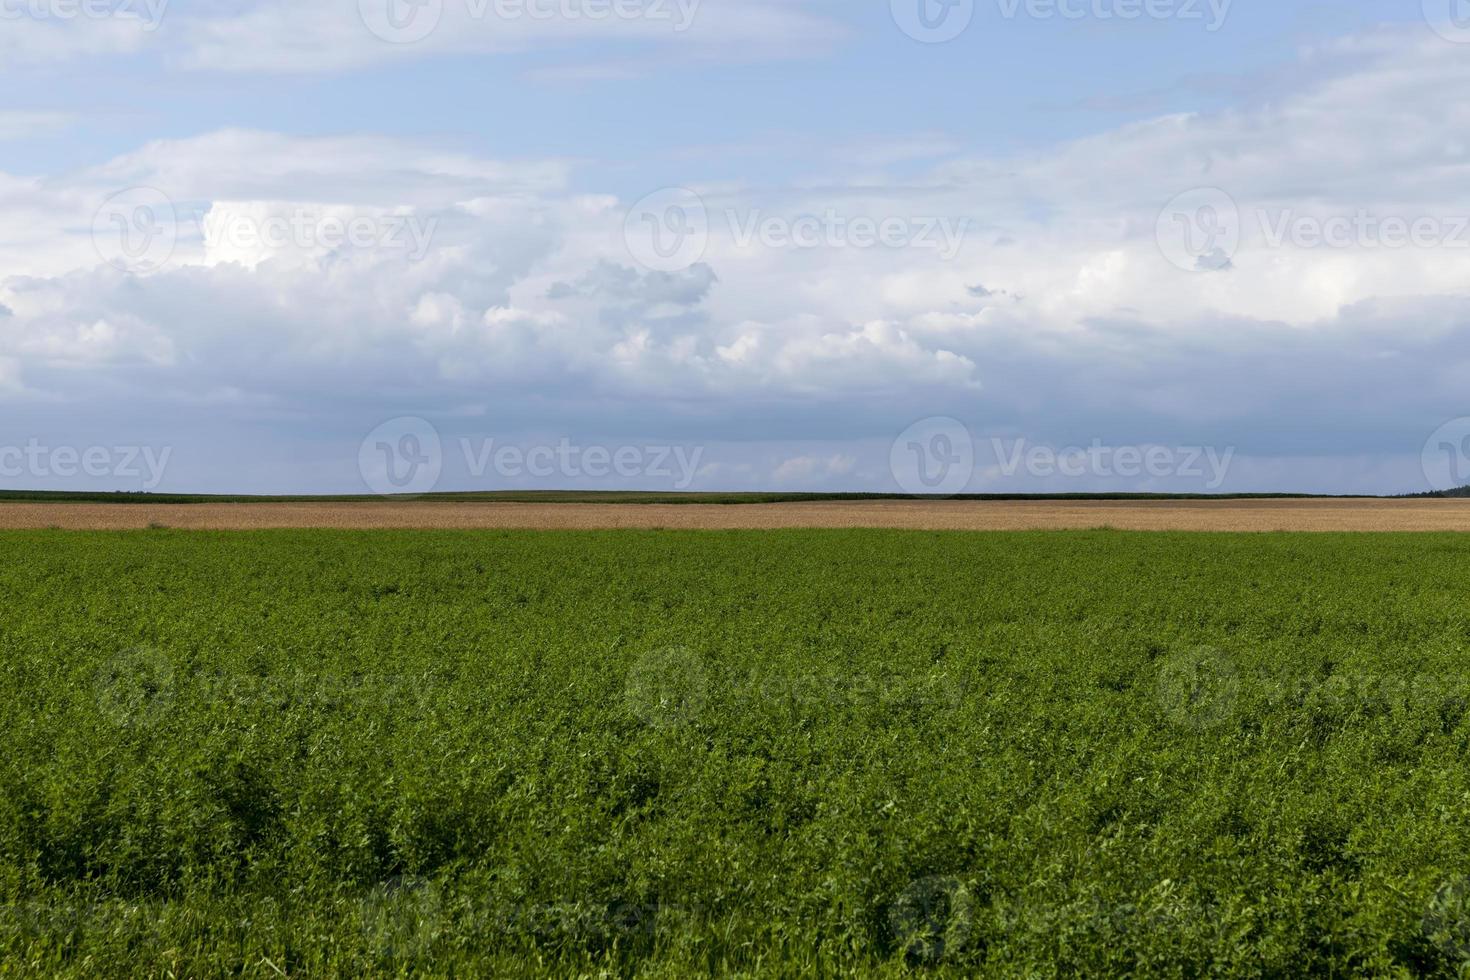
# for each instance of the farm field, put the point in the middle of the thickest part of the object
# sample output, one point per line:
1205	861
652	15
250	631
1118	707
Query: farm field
593	512
677	753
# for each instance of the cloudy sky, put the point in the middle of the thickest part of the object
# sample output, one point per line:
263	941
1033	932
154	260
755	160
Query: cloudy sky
924	245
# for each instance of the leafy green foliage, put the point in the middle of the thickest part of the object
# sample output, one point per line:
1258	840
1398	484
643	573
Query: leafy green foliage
769	753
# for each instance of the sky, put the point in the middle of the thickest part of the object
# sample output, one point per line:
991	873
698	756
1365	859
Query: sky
930	246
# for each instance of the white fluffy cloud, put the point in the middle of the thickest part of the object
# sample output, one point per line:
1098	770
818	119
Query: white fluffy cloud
505	294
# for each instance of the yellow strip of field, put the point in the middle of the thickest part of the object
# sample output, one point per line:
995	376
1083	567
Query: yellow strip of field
937	515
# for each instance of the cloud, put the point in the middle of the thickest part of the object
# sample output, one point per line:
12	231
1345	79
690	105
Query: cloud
620	284
810	469
28	41
280	35
524	304
328	36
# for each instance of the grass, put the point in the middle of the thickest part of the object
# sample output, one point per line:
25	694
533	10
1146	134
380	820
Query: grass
773	753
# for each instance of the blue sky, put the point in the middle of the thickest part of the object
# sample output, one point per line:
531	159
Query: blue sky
1060	238
1006	83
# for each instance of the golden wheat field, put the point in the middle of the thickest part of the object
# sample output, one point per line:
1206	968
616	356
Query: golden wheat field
937	515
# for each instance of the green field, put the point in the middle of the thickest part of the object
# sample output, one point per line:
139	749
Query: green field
777	753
